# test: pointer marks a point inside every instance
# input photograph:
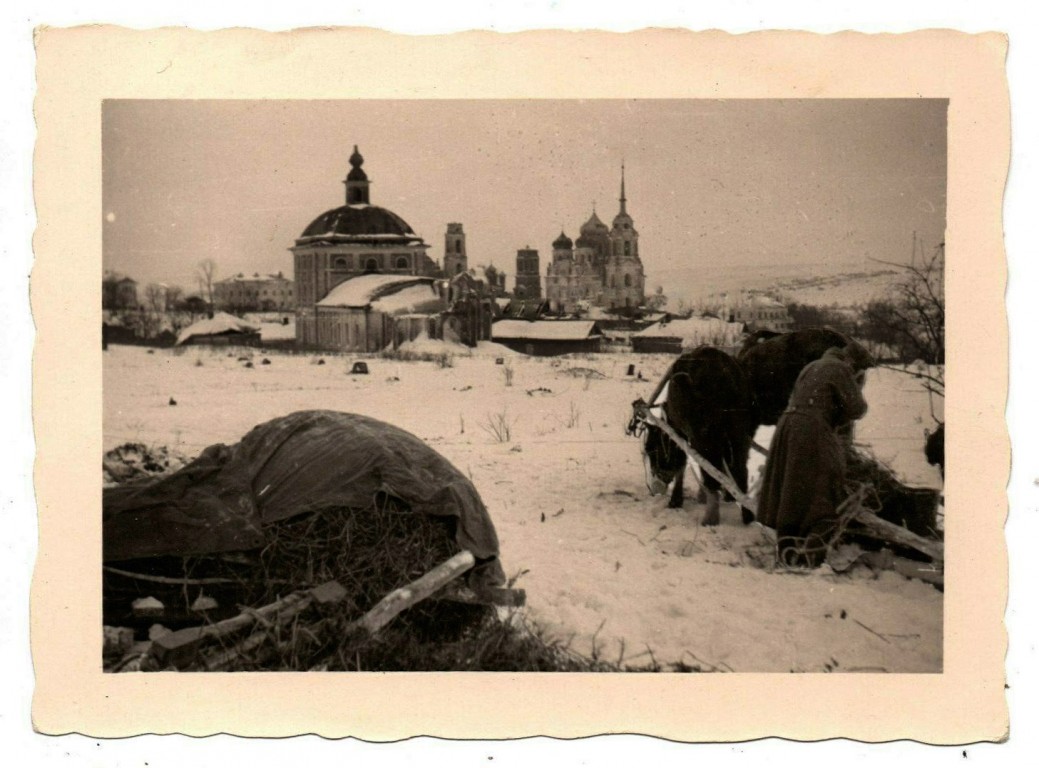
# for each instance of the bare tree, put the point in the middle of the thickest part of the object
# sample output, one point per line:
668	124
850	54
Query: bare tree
205	273
174	296
912	323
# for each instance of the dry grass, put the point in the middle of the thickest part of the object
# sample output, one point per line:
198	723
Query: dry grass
499	426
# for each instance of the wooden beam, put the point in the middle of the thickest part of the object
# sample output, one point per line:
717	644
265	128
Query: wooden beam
896	534
643	412
403	598
181	648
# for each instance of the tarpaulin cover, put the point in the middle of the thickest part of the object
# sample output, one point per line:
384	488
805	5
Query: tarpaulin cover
303	462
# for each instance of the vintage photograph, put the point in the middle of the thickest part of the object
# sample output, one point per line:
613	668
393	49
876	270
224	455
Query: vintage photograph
523	385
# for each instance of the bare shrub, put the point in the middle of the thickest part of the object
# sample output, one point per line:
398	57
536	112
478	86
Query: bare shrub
573	418
499	426
442	359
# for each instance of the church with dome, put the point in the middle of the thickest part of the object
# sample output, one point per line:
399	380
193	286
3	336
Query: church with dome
355	239
602	268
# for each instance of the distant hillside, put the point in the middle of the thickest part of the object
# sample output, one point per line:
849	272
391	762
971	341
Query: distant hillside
819	284
842	290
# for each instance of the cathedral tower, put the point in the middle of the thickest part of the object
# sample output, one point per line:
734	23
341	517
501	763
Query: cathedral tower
528	274
455	258
625	280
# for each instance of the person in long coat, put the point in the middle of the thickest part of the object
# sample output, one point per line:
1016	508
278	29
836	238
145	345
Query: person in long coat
804	474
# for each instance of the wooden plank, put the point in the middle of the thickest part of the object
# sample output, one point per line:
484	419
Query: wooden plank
180	648
400	599
896	534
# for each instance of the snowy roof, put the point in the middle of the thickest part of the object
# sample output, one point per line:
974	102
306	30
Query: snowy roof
695	330
503	301
240	278
219	323
598	313
544	330
362	290
418	298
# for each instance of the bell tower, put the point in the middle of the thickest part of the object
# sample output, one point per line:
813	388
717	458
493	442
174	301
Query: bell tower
528	274
455	258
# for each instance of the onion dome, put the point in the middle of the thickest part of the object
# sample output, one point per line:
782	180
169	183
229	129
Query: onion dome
356	172
562	242
594	225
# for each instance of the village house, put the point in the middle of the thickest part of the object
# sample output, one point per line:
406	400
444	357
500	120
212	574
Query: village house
761	313
256	293
548	337
119	292
677	336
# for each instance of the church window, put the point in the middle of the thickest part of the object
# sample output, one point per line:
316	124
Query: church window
371	265
340	262
458	268
402	262
458	246
627	248
627	281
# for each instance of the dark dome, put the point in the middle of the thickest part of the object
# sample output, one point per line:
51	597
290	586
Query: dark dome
358	221
594	225
563	242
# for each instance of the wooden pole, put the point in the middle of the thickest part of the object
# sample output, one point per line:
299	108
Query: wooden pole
643	412
400	599
181	647
896	534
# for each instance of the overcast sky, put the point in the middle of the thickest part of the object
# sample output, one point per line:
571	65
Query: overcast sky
708	182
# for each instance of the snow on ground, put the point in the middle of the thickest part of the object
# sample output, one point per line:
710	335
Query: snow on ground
605	566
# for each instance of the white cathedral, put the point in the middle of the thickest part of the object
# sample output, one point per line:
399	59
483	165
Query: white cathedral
602	268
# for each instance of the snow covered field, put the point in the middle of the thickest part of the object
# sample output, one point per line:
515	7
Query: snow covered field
605	565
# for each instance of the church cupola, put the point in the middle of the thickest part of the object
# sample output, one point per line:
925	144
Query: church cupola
356	181
562	243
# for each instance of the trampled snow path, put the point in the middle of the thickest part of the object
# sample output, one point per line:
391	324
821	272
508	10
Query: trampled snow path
609	567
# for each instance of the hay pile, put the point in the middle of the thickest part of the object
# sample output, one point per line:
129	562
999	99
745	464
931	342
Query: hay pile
913	508
370	552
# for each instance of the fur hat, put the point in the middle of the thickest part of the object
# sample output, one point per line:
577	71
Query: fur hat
854	354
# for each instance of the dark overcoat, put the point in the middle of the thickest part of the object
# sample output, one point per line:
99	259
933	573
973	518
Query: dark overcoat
804	473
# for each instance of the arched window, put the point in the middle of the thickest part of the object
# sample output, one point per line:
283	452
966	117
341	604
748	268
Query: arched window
458	246
458	268
340	263
520	291
402	262
627	281
627	248
617	248
371	265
